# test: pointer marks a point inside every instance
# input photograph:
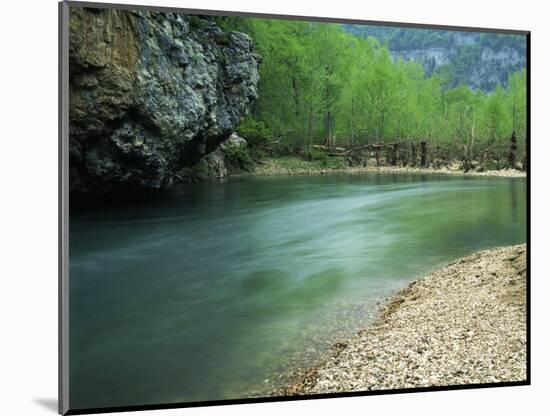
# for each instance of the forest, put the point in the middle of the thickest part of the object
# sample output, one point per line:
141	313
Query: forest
325	92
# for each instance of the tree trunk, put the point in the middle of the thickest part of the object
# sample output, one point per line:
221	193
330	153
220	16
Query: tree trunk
466	163
395	153
472	136
310	125
513	151
423	154
404	156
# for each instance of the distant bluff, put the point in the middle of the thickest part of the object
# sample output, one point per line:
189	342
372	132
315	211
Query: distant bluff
151	94
479	60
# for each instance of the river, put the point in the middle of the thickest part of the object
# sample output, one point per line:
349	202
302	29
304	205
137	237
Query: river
213	290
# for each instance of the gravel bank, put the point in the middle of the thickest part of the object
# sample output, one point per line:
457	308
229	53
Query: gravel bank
463	324
275	167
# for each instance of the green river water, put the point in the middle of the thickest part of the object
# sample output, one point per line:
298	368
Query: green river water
214	290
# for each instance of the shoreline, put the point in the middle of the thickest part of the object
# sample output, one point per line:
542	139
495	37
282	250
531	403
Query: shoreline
279	167
463	324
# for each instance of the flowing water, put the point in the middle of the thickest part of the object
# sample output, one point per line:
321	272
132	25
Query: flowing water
214	290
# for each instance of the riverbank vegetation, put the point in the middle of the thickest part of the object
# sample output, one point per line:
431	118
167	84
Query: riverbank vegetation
327	94
296	165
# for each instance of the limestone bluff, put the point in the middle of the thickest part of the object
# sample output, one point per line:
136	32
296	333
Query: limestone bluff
151	94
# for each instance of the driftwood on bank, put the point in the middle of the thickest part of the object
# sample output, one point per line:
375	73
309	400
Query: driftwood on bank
427	153
396	153
404	153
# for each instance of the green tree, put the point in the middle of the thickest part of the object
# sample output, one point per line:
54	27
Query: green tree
320	84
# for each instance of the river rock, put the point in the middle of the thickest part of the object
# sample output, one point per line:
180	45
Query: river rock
233	141
151	94
463	324
215	165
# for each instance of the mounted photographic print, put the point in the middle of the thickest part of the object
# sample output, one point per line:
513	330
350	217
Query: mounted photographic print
265	208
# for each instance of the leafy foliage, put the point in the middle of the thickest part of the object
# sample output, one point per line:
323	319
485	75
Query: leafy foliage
320	84
256	133
464	51
237	158
315	155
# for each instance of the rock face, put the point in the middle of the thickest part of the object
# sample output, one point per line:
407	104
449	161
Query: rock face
215	162
480	60
151	94
489	67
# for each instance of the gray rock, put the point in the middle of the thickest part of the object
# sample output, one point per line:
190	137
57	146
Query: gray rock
151	94
233	141
215	162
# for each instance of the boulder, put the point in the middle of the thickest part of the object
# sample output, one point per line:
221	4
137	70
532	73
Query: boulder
215	162
151	94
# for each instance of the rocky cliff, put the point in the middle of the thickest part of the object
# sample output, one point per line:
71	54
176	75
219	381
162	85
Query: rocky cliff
479	60
151	94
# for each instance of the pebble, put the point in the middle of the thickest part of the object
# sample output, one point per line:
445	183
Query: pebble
463	324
